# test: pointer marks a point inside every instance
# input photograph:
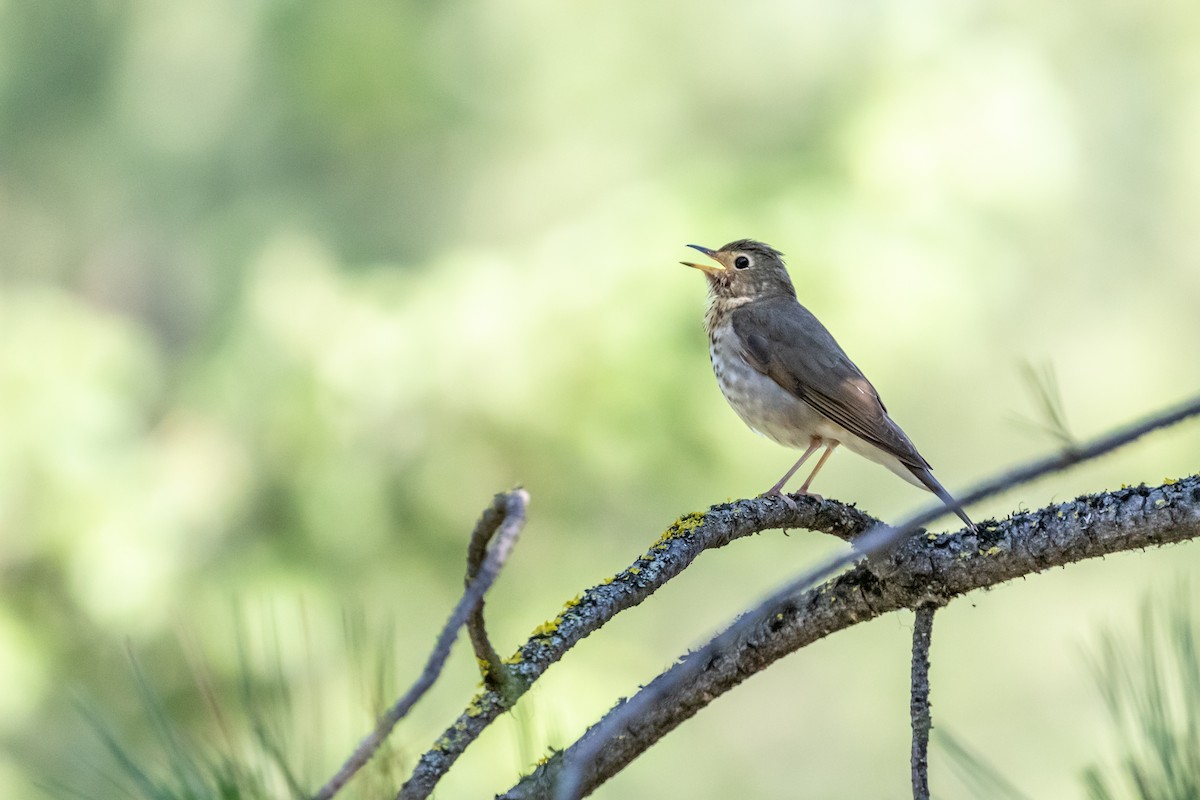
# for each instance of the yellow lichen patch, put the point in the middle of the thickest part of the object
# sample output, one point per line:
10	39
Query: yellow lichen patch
685	524
607	581
546	629
1159	503
634	571
574	601
475	708
1170	481
931	537
991	551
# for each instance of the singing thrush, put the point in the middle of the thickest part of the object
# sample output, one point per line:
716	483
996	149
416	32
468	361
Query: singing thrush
786	377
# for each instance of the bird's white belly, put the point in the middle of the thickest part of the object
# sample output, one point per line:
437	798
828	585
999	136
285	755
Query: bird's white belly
765	406
775	413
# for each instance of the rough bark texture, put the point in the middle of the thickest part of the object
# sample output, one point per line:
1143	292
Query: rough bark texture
918	705
687	538
926	568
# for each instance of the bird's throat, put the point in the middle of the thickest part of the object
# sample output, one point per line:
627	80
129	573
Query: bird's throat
720	306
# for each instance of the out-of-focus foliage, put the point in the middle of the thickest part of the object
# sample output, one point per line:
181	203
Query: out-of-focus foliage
1150	685
288	290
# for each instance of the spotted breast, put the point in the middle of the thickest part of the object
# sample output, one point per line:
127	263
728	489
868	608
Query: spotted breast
761	403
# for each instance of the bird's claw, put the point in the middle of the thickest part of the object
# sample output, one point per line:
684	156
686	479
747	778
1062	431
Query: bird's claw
785	498
789	500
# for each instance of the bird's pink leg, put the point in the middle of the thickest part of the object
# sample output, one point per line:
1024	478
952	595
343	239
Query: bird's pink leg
777	489
820	463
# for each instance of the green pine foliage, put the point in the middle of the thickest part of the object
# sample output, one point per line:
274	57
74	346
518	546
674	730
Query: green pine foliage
1150	684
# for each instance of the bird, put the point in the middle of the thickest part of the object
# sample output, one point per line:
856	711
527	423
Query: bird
788	379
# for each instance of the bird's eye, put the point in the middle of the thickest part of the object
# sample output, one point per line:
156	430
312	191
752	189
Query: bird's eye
741	262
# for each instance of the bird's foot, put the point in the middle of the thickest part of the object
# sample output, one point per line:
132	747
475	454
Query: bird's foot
786	498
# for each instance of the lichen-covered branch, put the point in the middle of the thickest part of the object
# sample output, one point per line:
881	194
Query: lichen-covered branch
924	567
876	544
687	538
592	758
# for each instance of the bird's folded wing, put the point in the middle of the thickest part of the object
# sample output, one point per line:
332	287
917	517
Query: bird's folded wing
784	341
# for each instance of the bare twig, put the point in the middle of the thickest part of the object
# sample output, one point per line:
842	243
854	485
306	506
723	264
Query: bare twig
578	771
918	705
675	550
493	671
508	512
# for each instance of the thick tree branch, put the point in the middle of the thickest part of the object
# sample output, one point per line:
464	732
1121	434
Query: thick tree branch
667	558
922	568
876	544
504	518
675	550
918	705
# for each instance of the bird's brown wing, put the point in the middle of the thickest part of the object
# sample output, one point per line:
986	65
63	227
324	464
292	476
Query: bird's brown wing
783	340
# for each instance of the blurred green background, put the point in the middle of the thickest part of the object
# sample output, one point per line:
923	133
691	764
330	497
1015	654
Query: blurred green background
290	289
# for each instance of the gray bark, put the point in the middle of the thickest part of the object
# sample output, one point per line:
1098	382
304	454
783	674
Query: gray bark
675	550
918	705
924	568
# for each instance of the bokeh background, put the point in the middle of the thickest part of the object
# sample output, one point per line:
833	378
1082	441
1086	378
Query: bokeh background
290	289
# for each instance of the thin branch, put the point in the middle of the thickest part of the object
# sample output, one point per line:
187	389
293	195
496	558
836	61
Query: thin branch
674	551
512	507
493	671
580	772
918	706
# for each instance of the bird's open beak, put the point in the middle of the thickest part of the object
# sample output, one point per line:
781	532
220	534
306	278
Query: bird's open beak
710	268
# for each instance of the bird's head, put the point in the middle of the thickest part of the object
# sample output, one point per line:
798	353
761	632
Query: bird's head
745	269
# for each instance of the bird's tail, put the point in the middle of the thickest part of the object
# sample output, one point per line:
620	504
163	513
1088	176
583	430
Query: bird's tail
931	483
